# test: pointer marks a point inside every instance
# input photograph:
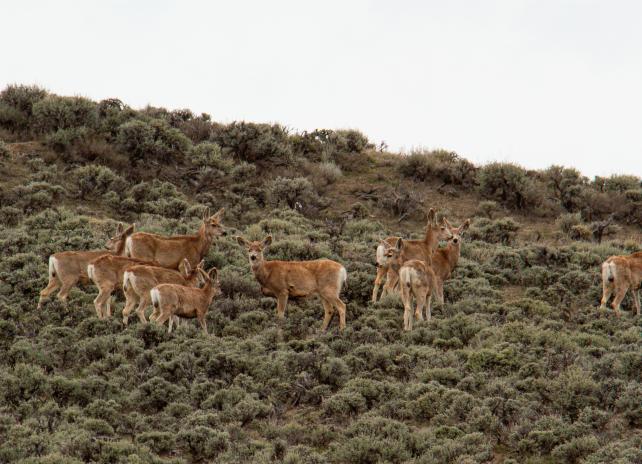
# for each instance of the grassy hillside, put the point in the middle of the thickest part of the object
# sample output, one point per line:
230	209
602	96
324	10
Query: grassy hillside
519	366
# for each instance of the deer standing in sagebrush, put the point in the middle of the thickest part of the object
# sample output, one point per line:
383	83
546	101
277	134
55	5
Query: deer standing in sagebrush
107	273
285	279
171	301
445	260
619	274
413	249
139	280
170	251
68	268
423	280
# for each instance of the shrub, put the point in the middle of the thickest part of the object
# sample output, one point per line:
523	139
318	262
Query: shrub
5	154
16	106
296	192
446	166
202	442
208	155
494	231
566	185
509	184
96	180
154	140
53	113
487	208
253	142
63	139
619	183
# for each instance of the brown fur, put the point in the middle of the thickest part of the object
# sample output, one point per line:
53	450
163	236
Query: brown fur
106	273
412	249
285	279
69	268
172	300
417	278
619	274
444	260
139	280
170	251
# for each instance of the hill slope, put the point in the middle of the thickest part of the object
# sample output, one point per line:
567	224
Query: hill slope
519	366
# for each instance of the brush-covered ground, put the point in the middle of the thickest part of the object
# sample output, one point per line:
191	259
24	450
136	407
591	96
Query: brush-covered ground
518	367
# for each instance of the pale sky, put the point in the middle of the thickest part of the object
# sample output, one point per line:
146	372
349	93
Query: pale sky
535	82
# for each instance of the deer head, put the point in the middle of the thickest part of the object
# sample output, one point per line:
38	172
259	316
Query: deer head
116	243
212	226
456	232
255	249
211	279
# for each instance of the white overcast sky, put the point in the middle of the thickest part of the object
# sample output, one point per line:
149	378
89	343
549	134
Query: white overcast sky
535	82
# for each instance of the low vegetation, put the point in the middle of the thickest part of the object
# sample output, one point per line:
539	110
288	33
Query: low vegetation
519	365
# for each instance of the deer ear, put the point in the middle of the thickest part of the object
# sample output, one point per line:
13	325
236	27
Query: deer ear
218	215
241	240
465	225
206	214
187	268
431	216
213	274
128	231
267	241
201	265
119	228
399	243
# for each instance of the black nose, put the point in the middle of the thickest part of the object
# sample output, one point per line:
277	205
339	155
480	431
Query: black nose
252	258
455	240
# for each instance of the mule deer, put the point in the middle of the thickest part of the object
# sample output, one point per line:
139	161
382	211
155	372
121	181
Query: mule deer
106	273
171	300
413	249
421	280
170	251
139	280
444	260
68	268
619	273
284	279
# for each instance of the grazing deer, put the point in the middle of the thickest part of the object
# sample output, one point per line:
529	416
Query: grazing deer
444	260
417	278
619	273
284	279
140	279
169	252
171	301
413	249
68	268
106	273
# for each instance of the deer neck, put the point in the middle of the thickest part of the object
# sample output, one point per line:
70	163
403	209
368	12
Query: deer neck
431	239
120	249
452	254
260	271
204	240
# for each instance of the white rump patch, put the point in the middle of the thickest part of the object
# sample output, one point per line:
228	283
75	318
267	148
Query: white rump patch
343	278
52	266
381	255
155	294
128	247
90	271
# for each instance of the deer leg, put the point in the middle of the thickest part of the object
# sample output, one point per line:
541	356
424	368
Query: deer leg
67	285
164	315
203	322
281	303
341	307
391	282
406	298
103	295
130	300
51	287
328	311
381	272
429	307
607	290
636	299
140	311
620	293
420	297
